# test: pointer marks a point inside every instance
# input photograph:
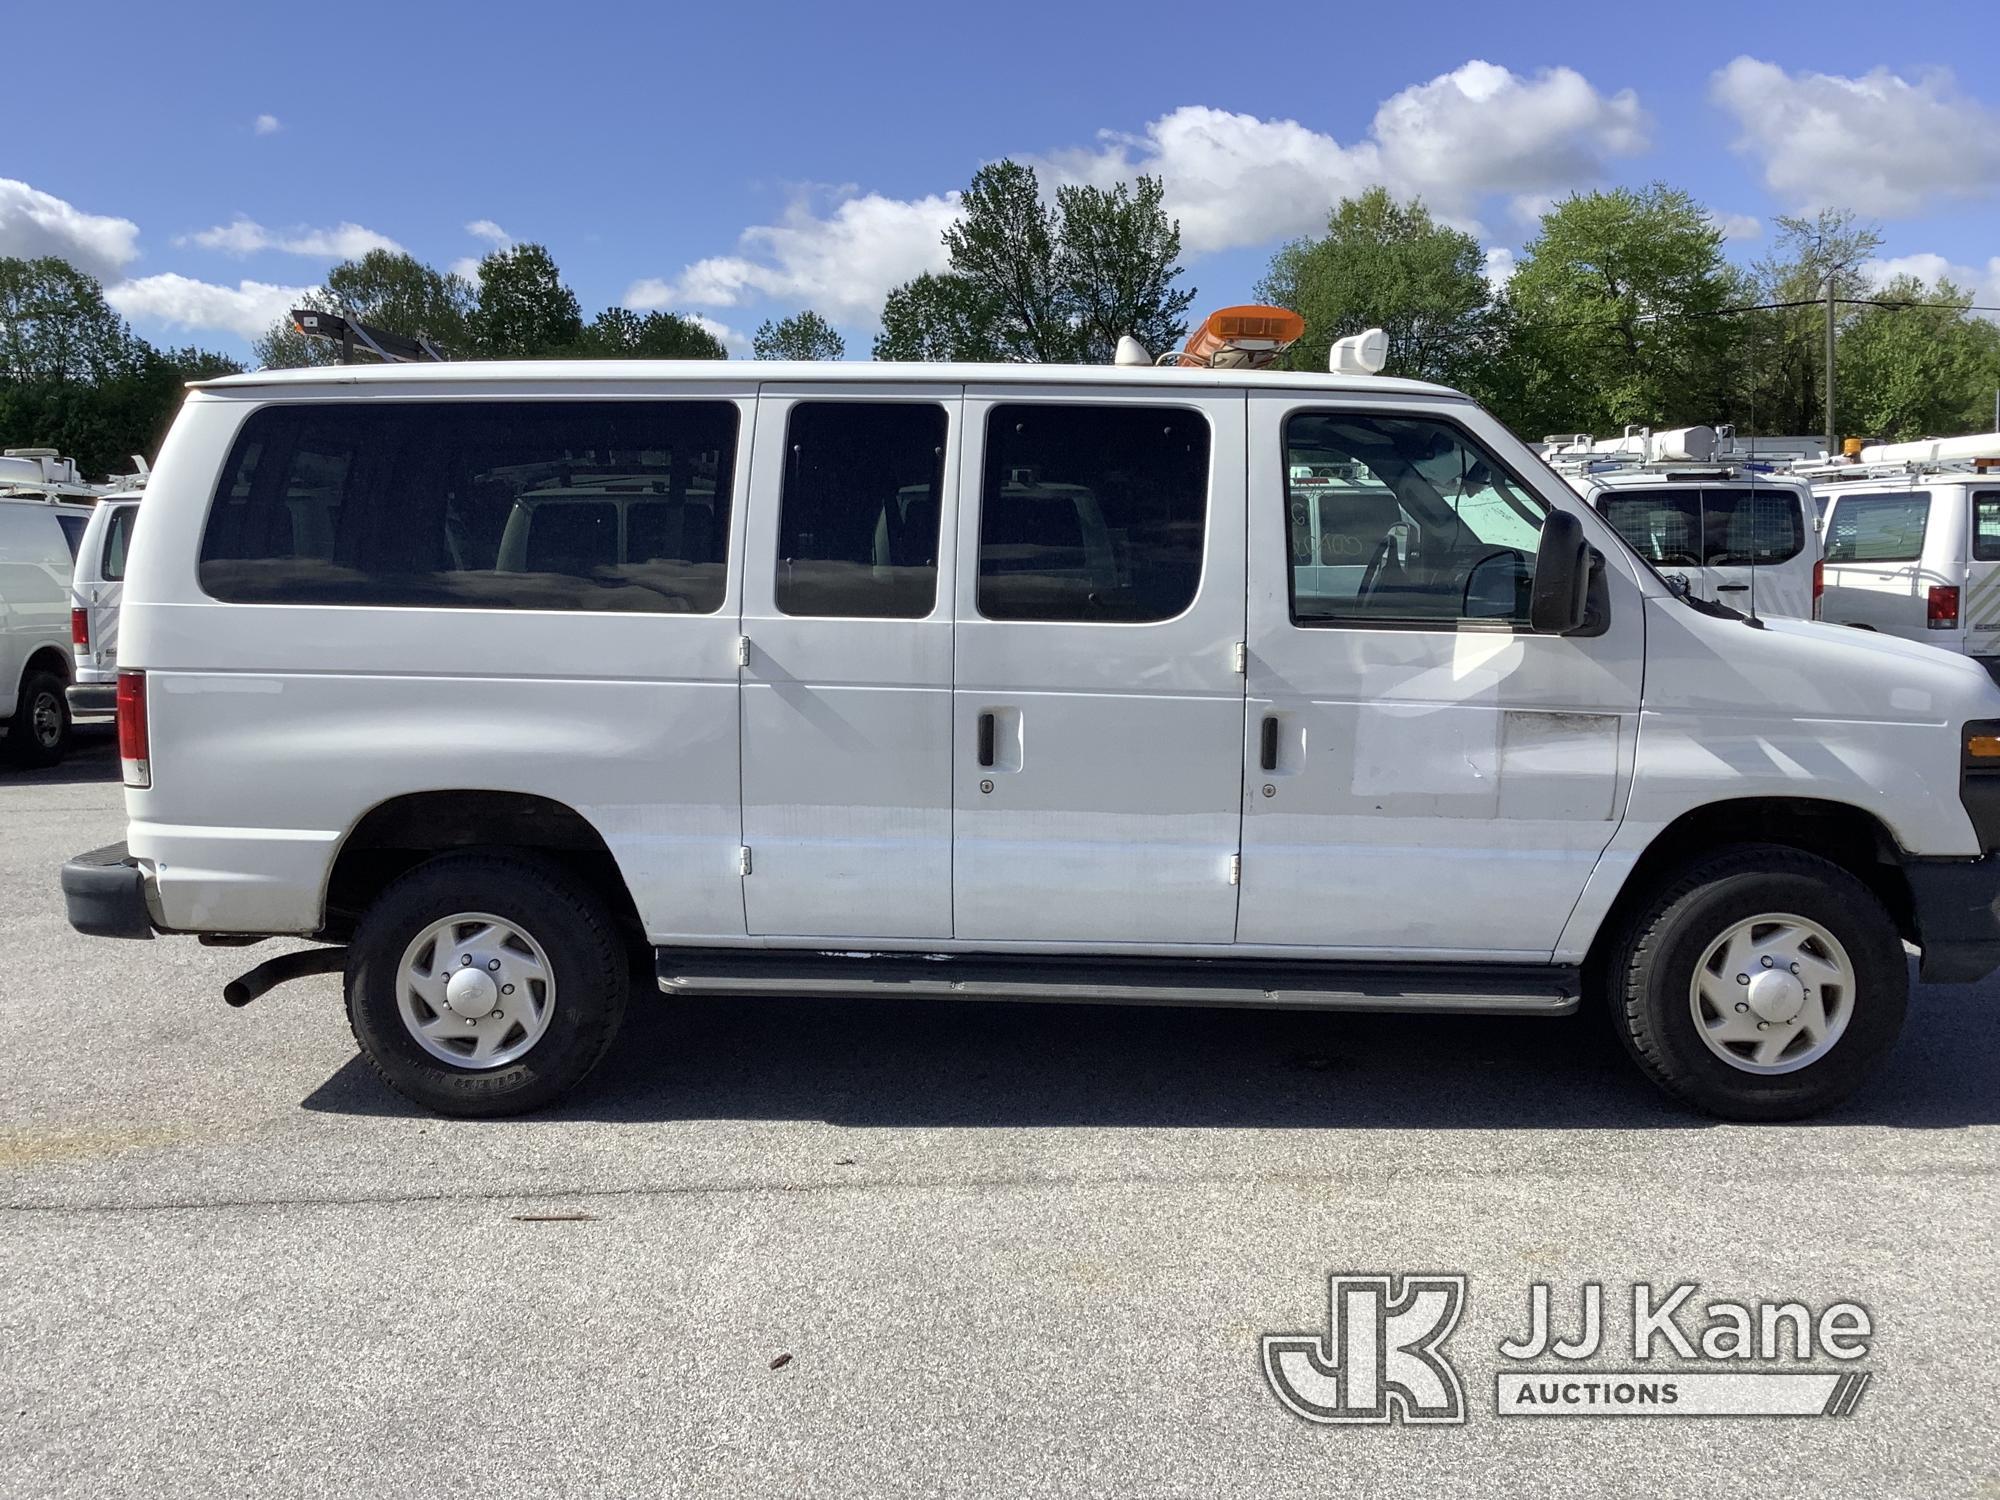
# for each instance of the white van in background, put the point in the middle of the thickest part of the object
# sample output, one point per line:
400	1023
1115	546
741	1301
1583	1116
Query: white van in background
94	592
1019	681
1731	529
1912	543
39	538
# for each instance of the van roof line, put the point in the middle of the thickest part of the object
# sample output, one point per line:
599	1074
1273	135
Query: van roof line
782	372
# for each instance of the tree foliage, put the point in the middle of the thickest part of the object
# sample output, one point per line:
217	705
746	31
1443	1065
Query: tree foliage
1045	282
937	317
1389	265
1914	372
620	333
1615	314
74	378
523	310
804	335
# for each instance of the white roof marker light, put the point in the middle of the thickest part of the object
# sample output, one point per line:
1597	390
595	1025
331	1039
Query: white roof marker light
1359	353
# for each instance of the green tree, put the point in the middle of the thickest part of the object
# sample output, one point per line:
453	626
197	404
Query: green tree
936	317
391	290
1117	257
1783	350
620	333
56	326
1061	283
523	310
1389	265
804	335
1614	316
1915	372
283	347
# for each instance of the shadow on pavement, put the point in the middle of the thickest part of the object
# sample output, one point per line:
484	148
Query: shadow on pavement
93	756
966	1064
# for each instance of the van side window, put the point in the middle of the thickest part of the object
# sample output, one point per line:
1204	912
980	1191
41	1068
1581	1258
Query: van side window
1408	521
72	530
858	514
117	542
1877	528
565	505
1092	513
1986	526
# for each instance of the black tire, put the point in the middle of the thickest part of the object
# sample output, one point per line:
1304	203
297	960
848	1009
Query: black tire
589	960
39	732
1654	966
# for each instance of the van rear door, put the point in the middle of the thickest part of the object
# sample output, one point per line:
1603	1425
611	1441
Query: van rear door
1980	610
1874	549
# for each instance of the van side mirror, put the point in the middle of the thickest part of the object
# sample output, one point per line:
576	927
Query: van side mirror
1560	600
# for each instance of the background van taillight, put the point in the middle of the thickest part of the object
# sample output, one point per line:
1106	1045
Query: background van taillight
79	628
1819	585
1942	611
135	752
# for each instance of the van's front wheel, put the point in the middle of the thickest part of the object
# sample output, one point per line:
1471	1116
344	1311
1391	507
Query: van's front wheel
1762	984
483	985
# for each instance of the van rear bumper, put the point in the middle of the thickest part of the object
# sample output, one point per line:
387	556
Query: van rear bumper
93	698
104	894
1957	908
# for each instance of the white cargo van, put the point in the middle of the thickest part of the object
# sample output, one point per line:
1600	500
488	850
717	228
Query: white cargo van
1005	681
1718	523
38	541
1912	544
94	593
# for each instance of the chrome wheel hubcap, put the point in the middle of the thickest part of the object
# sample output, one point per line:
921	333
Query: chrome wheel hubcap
475	990
1772	994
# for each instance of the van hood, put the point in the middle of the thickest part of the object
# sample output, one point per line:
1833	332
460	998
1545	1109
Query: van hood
1875	644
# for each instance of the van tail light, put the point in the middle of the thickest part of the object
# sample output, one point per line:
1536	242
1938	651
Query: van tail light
135	752
1942	612
79	629
1819	587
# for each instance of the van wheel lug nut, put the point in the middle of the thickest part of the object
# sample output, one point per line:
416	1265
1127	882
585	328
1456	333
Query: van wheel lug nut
1795	968
492	963
464	959
1741	1007
506	989
1742	978
1768	960
1763	1025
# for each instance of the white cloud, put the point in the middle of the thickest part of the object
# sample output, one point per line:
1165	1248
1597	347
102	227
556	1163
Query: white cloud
735	340
466	266
1930	268
1497	266
493	234
246	309
1738	226
842	263
267	125
241	236
1233	180
1880	143
34	223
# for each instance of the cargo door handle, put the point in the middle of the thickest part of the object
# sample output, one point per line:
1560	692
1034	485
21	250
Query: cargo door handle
1732	588
1270	742
986	739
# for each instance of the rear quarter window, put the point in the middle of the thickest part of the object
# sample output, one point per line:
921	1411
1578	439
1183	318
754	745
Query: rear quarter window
1877	528
549	505
117	543
1986	525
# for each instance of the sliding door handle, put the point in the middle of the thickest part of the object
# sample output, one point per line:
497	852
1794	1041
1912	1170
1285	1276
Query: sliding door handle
1270	742
986	739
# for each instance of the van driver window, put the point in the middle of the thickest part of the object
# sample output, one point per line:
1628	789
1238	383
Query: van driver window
859	514
1092	513
1403	520
560	505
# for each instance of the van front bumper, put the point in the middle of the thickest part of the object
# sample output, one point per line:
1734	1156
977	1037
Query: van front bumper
1956	904
104	894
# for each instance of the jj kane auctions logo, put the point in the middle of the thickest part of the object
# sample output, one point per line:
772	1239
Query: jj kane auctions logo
1382	1357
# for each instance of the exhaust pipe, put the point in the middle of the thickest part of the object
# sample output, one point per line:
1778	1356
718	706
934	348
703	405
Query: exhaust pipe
273	972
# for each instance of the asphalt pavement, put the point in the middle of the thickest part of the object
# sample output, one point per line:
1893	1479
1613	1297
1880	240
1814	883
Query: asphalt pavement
1009	1250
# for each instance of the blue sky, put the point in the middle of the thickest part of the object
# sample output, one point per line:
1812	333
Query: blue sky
739	162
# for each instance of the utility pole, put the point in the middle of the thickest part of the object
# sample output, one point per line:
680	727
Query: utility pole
1832	437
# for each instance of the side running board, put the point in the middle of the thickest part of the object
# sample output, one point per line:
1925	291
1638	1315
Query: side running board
1518	989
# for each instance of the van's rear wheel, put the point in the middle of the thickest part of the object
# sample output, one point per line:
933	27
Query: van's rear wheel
1762	984
485	984
38	734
